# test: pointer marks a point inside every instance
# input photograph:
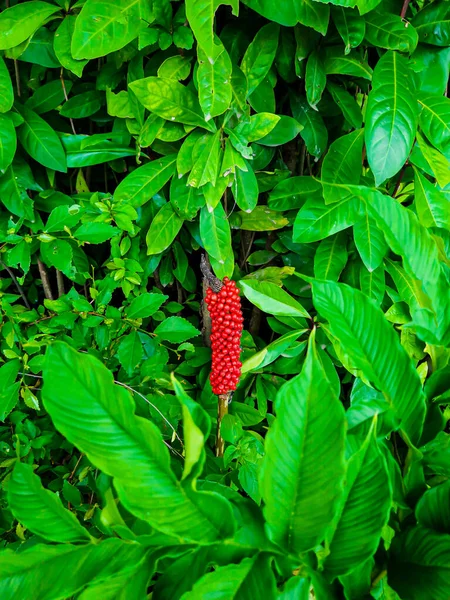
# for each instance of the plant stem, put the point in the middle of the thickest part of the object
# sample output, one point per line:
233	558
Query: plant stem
224	400
17	284
60	283
404	8
45	281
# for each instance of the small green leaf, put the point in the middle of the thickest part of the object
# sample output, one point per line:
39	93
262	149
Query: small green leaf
260	55
163	229
176	330
145	305
144	182
130	352
20	21
270	298
316	79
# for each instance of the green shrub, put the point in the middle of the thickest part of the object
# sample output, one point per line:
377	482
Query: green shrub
301	148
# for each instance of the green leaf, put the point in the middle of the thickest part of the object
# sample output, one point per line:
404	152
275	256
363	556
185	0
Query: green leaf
63	43
144	182
170	100
314	132
300	500
331	257
48	96
13	186
175	67
95	233
8	142
419	564
432	206
350	25
40	510
83	151
130	352
342	164
206	167
200	14
432	24
374	350
434	119
104	28
370	242
260	55
176	330
185	199
437	162
9	388
284	131
81	398
270	298
251	578
355	532
290	12
270	353
337	63
82	105
61	217
214	83
20	22
163	229
57	253
40	567
41	141
245	188
293	192
316	79
6	90
433	509
145	305
347	104
391	32
317	220
216	238
391	117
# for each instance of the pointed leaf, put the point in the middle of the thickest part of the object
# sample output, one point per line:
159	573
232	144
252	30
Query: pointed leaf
331	257
315	80
342	164
20	21
214	82
6	90
433	208
163	229
434	119
317	220
433	509
144	182
270	298
391	32
350	25
260	55
432	23
370	242
314	132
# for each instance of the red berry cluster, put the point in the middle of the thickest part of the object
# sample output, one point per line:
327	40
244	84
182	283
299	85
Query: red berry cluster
226	328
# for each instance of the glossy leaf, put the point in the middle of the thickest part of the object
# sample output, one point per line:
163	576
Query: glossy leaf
271	298
432	24
316	79
216	237
433	509
18	22
293	192
432	206
146	181
163	229
290	13
62	46
214	83
289	479
200	15
342	164
331	257
317	220
260	55
347	104
350	25
314	132
6	91
370	242
390	32
8	142
434	119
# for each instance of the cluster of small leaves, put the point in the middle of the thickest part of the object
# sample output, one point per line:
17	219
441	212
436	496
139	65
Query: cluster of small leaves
304	146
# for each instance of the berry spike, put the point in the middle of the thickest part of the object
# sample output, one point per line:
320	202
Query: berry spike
226	330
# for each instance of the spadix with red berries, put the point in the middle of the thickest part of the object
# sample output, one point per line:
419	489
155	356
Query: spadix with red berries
226	329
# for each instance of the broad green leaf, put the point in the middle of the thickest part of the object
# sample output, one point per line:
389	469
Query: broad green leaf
270	298
13	190
216	238
270	353
257	127
391	32
82	105
175	67
260	55
342	164
369	241
22	20
206	167
356	532
37	570
315	80
200	14
6	90
293	192
350	25
82	400
61	217
374	350
433	208
300	499
48	96
176	330
62	45
214	82
8	142
432	24
365	6
145	305
290	12
317	220
9	388
245	189
434	119
284	131
419	564
391	117
163	229
40	510
130	352
347	104
437	162
331	257
41	141
104	28
433	509
95	233
251	578
82	151
260	219
185	199
57	253
337	63
170	100
144	182
314	132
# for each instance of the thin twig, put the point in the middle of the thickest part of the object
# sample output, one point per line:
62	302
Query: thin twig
45	281
404	8
17	284
60	283
61	76
16	71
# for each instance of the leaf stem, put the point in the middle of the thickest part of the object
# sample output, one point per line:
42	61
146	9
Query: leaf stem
17	284
45	281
